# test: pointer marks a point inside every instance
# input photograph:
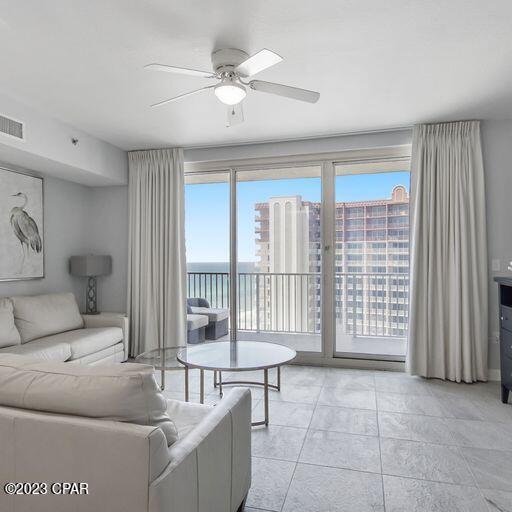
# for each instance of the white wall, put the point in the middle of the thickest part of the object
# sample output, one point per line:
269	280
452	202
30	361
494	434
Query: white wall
81	220
66	207
78	219
48	149
497	149
107	233
300	147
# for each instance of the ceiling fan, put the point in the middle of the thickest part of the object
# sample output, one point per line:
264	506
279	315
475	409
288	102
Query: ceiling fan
230	68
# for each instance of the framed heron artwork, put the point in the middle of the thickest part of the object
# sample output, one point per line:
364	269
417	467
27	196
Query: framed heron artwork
21	226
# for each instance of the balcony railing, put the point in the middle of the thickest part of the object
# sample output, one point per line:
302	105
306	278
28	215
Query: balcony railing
212	286
367	304
278	302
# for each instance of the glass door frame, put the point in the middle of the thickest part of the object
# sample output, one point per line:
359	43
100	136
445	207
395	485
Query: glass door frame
327	162
275	167
391	168
233	255
196	180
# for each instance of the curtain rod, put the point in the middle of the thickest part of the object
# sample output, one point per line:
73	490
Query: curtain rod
298	139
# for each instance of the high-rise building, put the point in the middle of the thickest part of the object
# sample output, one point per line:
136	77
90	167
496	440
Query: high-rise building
372	263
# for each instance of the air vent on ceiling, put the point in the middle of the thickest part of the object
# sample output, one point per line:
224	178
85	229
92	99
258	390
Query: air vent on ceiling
12	128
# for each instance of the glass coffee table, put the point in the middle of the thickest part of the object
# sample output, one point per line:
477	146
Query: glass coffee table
162	359
239	356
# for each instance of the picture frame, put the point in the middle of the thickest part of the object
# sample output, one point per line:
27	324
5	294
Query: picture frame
22	251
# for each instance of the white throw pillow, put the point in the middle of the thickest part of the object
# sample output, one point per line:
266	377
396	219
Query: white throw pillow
9	335
37	316
125	392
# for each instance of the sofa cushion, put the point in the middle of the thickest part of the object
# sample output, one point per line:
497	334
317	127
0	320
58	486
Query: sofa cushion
186	415
113	354
83	342
120	392
42	315
213	314
9	335
45	349
196	322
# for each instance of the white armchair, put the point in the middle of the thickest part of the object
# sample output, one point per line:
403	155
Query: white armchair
210	469
128	466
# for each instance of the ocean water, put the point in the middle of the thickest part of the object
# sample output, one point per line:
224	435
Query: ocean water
243	266
209	282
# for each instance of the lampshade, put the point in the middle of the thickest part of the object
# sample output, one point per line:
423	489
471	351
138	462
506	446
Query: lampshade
90	265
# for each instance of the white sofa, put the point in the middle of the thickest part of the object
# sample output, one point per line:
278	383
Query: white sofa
50	327
109	427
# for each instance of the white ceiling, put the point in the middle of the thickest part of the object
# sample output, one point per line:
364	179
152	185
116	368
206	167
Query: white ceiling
377	64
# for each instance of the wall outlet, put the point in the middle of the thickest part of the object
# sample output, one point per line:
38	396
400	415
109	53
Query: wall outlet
496	337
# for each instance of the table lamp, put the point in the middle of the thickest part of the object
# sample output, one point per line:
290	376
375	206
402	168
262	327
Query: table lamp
90	266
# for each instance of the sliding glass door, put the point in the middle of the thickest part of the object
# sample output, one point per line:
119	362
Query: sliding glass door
372	259
276	280
313	256
207	237
279	256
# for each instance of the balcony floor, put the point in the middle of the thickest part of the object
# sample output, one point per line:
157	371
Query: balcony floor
347	344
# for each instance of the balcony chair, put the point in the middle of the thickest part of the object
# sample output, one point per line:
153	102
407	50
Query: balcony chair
196	326
217	318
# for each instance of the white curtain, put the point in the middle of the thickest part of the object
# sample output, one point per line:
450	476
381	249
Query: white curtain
157	268
448	300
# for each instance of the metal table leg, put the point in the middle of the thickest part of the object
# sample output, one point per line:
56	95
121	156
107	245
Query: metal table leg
266	385
265	382
162	368
186	383
201	391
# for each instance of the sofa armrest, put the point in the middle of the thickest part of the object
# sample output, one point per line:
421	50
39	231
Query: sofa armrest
110	320
116	460
210	469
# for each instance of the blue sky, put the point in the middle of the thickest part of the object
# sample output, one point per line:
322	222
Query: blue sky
207	208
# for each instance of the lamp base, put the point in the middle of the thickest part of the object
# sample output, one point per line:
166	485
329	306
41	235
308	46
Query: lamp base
90	297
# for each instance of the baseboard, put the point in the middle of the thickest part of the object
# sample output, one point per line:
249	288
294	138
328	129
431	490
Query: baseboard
338	362
494	375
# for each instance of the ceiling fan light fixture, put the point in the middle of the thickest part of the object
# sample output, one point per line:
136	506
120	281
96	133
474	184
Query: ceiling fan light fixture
230	93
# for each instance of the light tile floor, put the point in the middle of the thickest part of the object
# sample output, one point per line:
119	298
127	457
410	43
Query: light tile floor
361	441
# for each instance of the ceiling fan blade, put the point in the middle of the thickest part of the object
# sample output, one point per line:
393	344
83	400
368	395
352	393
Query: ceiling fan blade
164	102
235	115
181	71
285	90
258	62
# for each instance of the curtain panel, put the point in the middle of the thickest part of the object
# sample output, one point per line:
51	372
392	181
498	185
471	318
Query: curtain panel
448	299
156	265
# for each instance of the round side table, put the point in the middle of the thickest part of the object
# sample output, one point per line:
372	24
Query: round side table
235	356
162	359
